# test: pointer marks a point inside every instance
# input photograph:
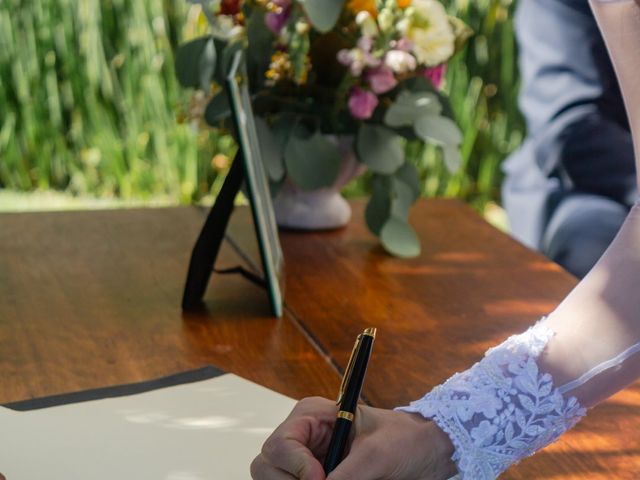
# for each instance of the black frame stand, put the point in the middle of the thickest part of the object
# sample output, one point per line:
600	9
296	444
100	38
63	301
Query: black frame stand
205	250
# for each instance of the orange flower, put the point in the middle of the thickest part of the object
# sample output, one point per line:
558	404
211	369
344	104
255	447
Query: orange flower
359	5
404	3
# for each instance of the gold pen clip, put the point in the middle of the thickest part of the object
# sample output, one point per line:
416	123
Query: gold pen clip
347	373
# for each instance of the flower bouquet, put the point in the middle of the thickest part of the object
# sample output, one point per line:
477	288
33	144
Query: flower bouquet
368	70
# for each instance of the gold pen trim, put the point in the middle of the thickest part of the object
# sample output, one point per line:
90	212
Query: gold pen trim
370	332
347	372
346	415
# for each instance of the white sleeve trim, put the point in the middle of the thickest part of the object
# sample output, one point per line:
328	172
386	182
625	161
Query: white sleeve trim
598	369
502	409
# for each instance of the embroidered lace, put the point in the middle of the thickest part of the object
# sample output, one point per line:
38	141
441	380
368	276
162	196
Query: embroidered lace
502	409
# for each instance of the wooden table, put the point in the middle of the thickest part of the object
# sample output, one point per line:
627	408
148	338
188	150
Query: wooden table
90	299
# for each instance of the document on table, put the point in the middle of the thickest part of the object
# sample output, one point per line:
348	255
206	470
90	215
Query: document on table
207	430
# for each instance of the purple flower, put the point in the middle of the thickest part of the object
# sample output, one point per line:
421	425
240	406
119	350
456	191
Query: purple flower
381	79
362	103
276	20
435	74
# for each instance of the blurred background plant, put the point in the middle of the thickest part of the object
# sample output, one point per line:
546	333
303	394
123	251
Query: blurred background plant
89	103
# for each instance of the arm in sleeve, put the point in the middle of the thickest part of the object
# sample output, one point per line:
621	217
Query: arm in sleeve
530	389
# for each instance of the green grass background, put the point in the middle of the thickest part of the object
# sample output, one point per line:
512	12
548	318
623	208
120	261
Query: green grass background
89	103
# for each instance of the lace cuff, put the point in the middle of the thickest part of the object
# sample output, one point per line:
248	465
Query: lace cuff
502	409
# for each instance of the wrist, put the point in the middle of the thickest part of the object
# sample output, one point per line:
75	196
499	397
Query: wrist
445	467
440	465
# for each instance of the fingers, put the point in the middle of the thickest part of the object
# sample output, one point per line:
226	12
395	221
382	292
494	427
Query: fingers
292	451
294	458
309	424
361	463
262	470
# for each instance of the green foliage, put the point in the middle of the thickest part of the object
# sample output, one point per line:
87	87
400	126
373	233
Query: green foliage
410	106
381	149
398	238
88	96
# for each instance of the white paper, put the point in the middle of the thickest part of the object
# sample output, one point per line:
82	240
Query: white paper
203	430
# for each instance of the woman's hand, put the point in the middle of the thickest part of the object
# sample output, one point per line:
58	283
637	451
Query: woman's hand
385	445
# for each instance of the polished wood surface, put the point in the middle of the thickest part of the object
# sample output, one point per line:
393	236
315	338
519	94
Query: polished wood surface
90	299
470	289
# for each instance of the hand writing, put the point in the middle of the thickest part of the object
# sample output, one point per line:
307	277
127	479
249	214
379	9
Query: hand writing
385	445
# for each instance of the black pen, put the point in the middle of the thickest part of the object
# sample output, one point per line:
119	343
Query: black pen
348	397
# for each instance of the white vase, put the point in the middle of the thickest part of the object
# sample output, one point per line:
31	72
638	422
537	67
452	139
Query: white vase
324	208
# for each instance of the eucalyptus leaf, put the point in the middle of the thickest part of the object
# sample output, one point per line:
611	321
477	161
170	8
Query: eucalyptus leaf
399	238
323	14
312	162
402	199
452	157
378	209
380	148
188	61
272	154
408	174
275	187
282	127
439	130
409	106
226	57
260	40
207	65
217	109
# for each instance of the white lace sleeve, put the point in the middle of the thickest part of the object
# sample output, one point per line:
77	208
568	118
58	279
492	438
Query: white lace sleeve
502	409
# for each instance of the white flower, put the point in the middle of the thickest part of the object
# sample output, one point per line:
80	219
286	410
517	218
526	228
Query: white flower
403	26
400	61
367	24
227	29
430	31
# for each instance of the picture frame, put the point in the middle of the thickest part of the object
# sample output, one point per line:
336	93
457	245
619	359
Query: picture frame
247	166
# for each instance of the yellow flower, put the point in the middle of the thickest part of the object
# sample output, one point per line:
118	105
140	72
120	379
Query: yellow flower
404	3
363	5
279	69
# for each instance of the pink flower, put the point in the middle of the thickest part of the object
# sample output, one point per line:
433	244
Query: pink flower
276	20
381	79
403	44
359	58
362	103
435	74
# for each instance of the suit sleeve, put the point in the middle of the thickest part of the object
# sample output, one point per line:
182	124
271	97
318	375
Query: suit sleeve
577	129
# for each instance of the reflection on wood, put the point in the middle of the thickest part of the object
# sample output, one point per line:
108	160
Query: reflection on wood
91	299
